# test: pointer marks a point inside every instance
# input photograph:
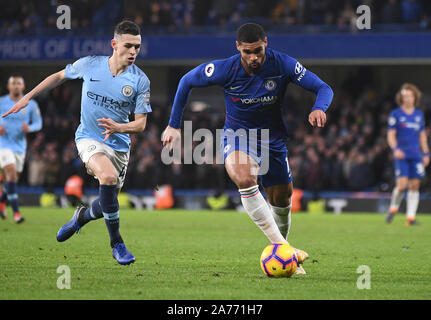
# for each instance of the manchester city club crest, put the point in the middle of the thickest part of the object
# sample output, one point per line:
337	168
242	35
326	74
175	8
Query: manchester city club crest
270	85
127	91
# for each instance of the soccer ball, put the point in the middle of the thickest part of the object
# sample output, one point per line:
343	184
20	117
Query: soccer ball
279	260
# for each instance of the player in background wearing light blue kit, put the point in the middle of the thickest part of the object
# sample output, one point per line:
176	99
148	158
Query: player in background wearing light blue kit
13	143
408	141
254	83
113	87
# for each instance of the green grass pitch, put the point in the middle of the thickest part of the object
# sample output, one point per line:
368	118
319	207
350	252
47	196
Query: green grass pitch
213	255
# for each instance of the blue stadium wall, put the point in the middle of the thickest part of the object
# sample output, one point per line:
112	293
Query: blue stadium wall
356	48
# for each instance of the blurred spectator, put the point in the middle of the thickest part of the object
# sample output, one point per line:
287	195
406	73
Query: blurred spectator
24	17
391	12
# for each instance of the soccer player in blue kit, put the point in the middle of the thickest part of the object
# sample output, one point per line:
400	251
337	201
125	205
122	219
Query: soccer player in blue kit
13	143
254	83
113	87
407	138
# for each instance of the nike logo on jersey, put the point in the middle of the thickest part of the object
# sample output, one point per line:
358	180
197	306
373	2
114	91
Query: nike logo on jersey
236	87
91	79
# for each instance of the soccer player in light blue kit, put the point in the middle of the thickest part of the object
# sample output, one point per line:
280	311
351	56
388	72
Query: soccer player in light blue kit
113	87
254	83
13	142
408	141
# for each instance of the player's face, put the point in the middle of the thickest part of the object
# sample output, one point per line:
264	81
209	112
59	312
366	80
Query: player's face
408	98
16	86
252	54
126	47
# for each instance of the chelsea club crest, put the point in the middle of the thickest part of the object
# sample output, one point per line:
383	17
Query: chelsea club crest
270	85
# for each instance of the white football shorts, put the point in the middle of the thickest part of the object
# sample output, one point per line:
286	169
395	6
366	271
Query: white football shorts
7	157
88	147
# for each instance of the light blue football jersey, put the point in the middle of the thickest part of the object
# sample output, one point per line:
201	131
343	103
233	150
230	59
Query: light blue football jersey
107	96
14	138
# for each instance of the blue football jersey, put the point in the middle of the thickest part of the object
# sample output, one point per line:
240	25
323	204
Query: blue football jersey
253	101
408	127
107	96
14	138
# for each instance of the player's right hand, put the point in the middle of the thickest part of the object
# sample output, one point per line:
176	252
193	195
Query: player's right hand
21	104
399	154
170	136
2	131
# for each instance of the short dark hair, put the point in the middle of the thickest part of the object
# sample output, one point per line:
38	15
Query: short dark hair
250	32
127	27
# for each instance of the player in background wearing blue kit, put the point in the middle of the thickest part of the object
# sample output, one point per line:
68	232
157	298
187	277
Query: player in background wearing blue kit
408	141
254	83
13	143
113	87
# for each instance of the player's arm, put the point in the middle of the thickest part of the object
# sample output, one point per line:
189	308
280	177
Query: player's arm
136	126
36	120
202	76
48	83
311	82
392	139
142	107
425	148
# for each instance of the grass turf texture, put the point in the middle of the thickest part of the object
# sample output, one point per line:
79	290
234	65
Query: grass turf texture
213	255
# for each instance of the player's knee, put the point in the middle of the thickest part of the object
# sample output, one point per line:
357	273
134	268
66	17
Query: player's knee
281	201
245	182
108	178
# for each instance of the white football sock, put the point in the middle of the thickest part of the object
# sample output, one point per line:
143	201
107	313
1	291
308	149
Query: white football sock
282	219
260	213
412	204
396	199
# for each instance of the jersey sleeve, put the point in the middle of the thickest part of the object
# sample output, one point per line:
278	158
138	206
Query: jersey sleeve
143	96
35	121
392	121
306	79
204	75
77	69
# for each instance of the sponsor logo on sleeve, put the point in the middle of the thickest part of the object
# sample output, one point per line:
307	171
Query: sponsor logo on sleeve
146	97
298	68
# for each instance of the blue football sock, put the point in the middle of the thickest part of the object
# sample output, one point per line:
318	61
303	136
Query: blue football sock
110	210
12	196
92	213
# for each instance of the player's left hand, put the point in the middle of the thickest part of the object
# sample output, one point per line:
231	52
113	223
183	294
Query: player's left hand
317	118
110	127
425	161
25	127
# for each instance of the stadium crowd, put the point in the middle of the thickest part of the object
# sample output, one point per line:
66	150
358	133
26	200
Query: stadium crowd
350	153
25	17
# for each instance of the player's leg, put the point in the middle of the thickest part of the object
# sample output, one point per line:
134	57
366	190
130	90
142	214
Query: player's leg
279	198
412	201
11	177
3	199
279	189
401	175
108	177
242	169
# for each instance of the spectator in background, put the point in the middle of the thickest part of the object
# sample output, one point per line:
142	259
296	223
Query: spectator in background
391	12
411	11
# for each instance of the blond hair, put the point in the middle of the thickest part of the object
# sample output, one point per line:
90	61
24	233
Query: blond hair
408	86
